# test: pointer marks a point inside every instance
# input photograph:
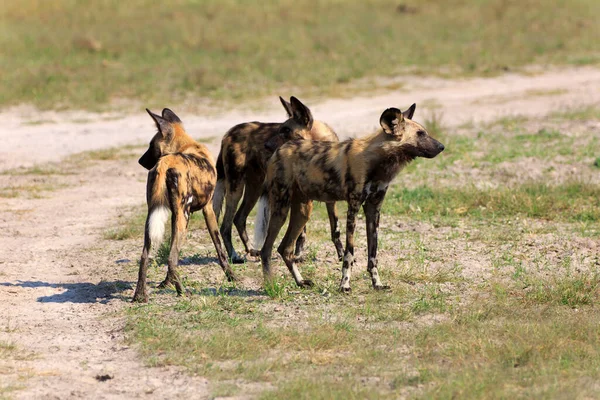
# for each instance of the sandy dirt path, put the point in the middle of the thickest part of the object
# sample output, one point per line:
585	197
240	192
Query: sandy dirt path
58	299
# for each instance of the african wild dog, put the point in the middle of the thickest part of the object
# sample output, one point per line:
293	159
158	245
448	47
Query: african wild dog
182	178
356	170
241	168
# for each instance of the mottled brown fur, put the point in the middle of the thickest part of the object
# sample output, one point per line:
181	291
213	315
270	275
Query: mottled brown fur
356	170
241	169
181	179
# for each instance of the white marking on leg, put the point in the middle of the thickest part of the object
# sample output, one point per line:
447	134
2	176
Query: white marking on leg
374	272
346	270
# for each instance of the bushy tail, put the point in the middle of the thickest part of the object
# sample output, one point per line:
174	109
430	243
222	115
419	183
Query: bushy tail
261	224
219	194
158	210
157	217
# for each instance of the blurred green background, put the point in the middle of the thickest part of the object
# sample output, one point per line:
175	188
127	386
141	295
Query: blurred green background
85	54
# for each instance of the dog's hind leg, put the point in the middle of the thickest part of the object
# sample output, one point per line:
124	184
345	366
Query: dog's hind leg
300	244
141	293
279	208
335	230
252	192
233	194
179	221
213	231
299	215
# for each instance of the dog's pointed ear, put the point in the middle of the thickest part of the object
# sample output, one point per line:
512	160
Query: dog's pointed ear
408	114
301	113
164	126
170	116
390	119
287	106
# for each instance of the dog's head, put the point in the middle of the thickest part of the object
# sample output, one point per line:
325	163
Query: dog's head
298	125
412	136
168	125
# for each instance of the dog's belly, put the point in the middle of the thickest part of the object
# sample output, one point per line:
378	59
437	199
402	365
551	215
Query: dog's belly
324	190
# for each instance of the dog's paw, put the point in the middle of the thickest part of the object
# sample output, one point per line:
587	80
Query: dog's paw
306	283
140	298
237	259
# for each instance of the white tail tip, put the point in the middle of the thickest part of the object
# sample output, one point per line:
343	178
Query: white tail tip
218	197
156	224
262	222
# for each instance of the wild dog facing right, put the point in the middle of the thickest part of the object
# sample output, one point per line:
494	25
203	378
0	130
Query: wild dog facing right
356	170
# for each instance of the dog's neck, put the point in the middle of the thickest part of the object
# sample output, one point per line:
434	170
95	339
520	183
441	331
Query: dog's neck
386	156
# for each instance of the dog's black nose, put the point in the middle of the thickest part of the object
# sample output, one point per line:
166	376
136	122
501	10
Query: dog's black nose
441	147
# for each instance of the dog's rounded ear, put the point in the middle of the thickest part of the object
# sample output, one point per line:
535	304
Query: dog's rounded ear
390	119
170	116
410	112
164	126
301	113
287	106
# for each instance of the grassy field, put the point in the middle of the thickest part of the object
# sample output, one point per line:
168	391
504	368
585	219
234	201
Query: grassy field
494	284
68	53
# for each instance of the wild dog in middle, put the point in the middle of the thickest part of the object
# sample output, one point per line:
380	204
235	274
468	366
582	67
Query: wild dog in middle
241	168
356	170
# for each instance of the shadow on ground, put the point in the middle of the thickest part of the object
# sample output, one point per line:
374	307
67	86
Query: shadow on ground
103	292
83	292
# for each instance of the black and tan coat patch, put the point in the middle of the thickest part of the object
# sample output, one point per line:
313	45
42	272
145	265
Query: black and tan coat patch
241	170
356	170
181	180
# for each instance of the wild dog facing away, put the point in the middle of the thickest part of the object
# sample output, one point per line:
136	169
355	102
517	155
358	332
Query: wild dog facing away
181	180
356	170
241	168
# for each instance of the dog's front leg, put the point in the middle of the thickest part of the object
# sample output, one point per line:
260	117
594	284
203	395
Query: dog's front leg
348	263
372	209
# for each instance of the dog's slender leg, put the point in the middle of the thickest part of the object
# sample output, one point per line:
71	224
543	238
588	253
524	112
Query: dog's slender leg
251	194
234	191
211	224
348	263
335	230
178	228
279	209
141	294
372	209
299	215
300	244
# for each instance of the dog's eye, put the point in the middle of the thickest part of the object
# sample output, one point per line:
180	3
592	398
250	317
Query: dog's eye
421	133
285	130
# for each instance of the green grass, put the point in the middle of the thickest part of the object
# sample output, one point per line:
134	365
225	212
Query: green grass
74	54
501	342
493	289
569	202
